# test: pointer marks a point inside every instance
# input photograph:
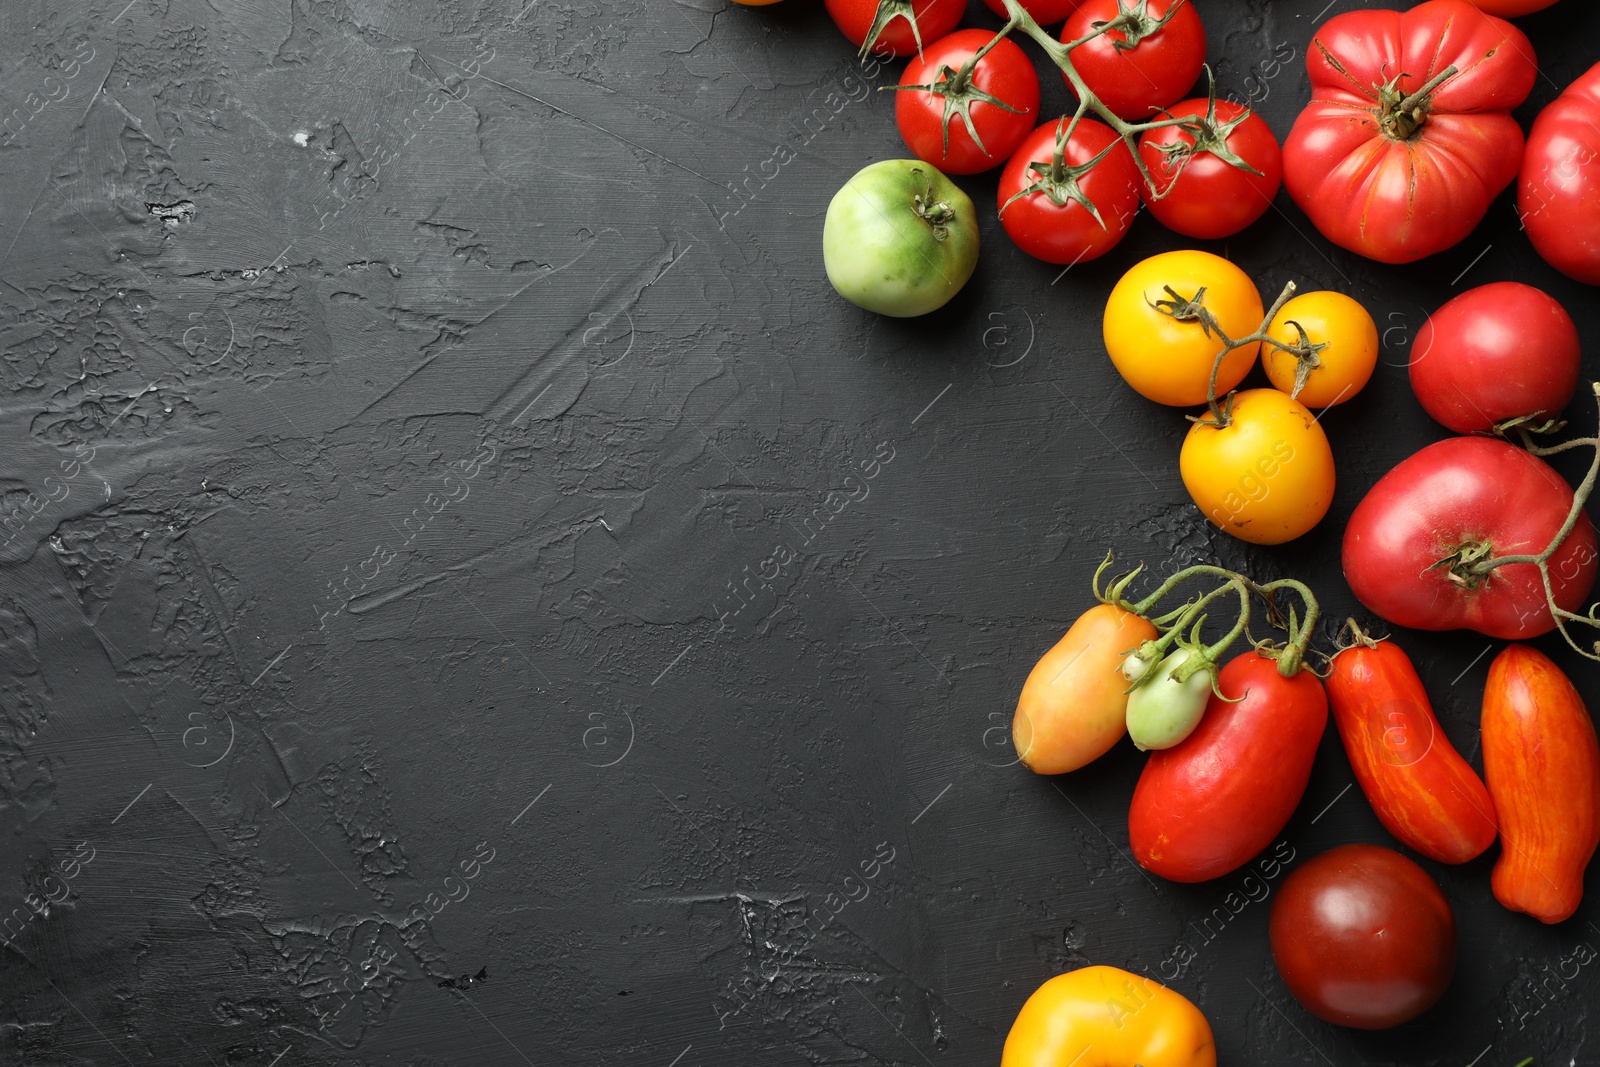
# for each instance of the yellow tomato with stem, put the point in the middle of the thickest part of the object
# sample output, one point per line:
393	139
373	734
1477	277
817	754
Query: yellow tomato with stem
1107	1017
1345	362
1267	475
1074	705
1160	347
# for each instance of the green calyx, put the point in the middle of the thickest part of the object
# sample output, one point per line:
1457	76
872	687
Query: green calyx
1059	182
960	92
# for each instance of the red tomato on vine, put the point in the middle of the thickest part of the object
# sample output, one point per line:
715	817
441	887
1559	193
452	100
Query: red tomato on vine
1149	56
1216	177
895	27
966	123
1069	199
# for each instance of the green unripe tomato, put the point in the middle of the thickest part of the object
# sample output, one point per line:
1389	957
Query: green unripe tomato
900	238
1164	711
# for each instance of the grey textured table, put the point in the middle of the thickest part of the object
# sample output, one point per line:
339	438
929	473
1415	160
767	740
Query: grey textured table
397	397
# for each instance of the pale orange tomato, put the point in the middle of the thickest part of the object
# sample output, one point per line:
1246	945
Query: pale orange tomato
1073	706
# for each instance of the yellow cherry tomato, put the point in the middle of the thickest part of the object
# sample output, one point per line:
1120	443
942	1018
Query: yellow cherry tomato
1073	706
1108	1017
1343	367
1266	477
1167	359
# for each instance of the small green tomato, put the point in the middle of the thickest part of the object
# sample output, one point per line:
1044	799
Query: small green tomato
1164	710
900	238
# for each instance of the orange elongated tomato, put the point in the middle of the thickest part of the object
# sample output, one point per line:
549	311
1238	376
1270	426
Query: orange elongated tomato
1421	789
1108	1017
1543	764
1073	708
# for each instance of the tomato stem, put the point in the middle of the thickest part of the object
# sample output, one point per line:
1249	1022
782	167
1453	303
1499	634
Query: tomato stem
1135	25
1402	116
1464	567
1193	309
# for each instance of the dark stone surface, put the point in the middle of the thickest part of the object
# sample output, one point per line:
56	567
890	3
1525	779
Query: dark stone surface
395	436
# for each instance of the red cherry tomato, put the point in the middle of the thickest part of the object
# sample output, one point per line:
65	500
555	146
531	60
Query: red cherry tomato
1463	501
1558	192
967	130
1207	805
1493	353
1048	222
1398	183
1204	194
1044	12
858	20
1420	788
1159	69
1363	937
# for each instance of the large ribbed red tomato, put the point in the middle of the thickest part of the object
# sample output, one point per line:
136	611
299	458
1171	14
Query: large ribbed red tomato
1558	193
1207	805
1394	158
1415	548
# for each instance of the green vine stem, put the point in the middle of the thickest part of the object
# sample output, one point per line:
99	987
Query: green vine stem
1193	309
1135	24
1471	564
1299	625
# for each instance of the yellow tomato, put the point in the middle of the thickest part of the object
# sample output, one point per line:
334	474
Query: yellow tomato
1343	367
1167	359
1267	477
1108	1017
1073	707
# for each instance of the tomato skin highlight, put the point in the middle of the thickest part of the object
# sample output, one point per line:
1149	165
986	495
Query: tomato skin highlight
1493	353
1005	73
1207	806
1073	709
935	19
1157	72
1210	198
1558	191
1268	477
1069	234
1543	764
1467	490
1420	788
1397	199
1363	937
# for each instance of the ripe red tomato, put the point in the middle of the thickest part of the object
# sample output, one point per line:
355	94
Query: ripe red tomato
1397	177
1207	805
1494	353
961	129
1511	8
1158	69
1420	788
1363	937
1558	193
858	20
1044	12
1050	221
1206	195
1466	500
